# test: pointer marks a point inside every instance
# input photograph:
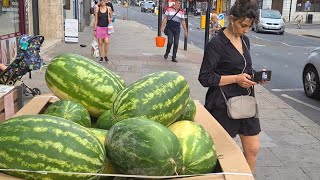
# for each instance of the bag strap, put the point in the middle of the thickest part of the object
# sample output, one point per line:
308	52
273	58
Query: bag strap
224	96
174	15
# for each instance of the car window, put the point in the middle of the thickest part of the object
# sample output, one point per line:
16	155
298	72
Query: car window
148	5
270	14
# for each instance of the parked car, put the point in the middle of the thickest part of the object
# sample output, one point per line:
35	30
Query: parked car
310	75
147	7
269	20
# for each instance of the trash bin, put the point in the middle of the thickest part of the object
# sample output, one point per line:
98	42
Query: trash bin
309	18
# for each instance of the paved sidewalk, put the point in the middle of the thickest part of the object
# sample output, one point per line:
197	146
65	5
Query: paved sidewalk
290	142
311	30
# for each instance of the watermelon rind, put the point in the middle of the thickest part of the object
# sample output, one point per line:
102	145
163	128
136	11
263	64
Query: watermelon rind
75	77
189	112
70	110
161	96
140	146
49	143
199	154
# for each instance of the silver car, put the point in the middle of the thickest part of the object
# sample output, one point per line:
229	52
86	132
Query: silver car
310	75
269	20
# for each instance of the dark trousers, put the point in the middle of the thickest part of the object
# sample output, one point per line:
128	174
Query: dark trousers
173	38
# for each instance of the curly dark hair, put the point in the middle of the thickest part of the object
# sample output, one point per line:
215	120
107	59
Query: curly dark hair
244	9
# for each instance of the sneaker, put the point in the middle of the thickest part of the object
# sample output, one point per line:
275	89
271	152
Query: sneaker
106	59
101	59
165	56
174	60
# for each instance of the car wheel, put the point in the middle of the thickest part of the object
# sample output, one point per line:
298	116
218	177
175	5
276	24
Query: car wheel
281	33
311	83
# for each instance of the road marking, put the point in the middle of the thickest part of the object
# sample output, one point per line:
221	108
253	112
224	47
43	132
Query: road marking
301	102
282	42
258	44
287	90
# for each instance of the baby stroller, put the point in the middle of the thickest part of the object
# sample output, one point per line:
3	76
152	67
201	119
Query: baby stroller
27	60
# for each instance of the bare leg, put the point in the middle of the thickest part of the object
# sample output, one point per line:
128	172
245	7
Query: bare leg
251	145
106	46
100	42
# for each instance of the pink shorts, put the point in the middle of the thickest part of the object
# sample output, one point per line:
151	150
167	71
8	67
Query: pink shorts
102	32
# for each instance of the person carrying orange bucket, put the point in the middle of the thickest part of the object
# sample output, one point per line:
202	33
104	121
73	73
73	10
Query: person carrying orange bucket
171	27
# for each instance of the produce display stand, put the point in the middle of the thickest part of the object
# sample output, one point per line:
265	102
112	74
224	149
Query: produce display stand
10	101
231	162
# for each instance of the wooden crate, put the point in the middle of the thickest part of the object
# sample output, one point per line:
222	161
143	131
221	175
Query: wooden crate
11	101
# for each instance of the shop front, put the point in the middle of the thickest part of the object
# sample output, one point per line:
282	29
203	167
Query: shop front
13	24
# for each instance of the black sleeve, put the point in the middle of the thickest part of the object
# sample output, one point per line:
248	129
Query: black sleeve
207	76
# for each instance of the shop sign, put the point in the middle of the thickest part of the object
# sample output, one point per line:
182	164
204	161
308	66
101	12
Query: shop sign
71	30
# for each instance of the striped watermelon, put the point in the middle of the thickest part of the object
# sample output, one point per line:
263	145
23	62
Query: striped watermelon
199	154
161	96
101	134
190	111
70	110
49	143
74	77
104	121
141	146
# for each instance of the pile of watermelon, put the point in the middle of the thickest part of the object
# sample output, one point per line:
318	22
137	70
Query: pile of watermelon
100	125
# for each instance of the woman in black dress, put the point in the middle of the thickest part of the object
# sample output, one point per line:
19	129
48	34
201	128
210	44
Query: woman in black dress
227	64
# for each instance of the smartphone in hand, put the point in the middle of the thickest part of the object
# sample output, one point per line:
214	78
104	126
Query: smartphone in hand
259	76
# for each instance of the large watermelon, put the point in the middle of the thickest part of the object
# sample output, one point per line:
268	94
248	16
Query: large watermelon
74	77
104	121
190	111
161	96
70	110
49	143
143	147
199	155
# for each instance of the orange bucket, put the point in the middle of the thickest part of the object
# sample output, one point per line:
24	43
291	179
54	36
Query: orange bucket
160	41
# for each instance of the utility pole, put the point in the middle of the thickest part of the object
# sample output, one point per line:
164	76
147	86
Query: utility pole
206	35
186	2
159	17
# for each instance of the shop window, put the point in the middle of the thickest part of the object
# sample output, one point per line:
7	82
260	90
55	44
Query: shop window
9	16
308	6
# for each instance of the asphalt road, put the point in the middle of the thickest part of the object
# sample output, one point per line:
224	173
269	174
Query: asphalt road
284	54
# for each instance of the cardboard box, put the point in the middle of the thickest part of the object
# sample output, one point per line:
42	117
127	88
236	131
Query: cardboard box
10	101
230	157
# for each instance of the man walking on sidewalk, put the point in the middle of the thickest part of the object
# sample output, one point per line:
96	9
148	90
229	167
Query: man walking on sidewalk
299	19
176	17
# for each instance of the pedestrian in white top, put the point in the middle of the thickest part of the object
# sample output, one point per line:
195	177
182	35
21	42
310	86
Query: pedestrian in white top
299	19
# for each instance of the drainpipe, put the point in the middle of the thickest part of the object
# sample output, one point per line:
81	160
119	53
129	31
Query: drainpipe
35	14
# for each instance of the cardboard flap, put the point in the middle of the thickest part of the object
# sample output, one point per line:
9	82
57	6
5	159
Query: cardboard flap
229	153
35	105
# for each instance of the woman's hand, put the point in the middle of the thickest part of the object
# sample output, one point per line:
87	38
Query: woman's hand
94	33
244	80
